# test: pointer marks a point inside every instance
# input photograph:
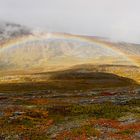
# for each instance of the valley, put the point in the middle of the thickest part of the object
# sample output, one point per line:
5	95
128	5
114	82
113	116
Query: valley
59	86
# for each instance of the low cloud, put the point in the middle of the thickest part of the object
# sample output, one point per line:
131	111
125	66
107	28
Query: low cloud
118	20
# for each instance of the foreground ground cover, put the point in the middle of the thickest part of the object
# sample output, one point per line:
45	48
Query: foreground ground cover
72	115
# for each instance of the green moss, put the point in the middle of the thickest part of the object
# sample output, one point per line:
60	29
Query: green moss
100	111
134	102
105	110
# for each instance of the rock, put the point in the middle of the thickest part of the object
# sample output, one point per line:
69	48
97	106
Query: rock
1	114
18	113
137	135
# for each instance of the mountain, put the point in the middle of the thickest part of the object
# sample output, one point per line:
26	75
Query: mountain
23	51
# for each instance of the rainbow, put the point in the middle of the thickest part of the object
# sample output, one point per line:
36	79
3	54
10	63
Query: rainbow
32	38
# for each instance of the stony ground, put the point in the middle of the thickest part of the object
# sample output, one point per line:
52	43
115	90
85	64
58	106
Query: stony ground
109	114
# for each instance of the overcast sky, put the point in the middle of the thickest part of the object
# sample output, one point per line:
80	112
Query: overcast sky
115	19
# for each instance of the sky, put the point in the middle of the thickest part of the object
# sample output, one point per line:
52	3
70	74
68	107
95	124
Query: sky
115	19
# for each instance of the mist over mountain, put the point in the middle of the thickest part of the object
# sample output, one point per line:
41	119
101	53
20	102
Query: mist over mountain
10	30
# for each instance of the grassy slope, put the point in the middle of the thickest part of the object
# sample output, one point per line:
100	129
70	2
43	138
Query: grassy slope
71	80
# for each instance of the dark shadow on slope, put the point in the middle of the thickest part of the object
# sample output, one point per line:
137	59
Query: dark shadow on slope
72	80
88	80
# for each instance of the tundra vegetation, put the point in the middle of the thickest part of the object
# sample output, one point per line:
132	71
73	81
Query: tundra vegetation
71	106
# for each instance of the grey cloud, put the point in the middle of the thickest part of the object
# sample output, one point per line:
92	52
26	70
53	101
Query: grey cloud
115	19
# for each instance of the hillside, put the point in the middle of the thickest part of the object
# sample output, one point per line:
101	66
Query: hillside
67	80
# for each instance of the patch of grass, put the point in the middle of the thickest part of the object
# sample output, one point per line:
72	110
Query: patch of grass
126	132
89	130
105	110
